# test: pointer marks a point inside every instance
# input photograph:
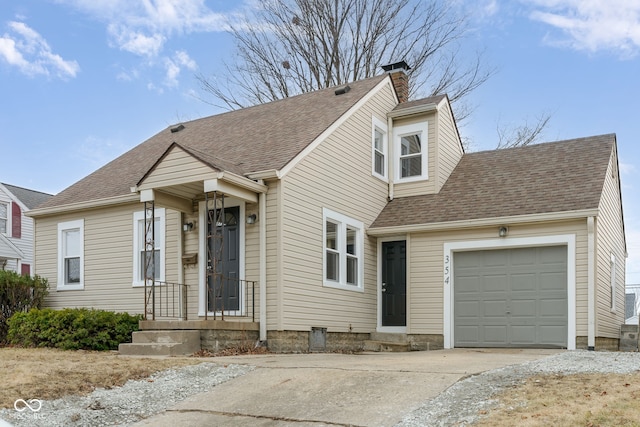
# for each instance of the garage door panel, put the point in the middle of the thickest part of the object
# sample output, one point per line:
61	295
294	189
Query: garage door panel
495	282
494	258
524	282
524	335
495	333
553	280
523	257
514	297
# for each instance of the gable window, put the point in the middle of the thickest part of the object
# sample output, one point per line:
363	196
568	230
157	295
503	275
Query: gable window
343	251
379	149
4	209
139	238
71	255
411	152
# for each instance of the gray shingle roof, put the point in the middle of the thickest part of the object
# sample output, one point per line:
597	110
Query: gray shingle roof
30	198
553	177
253	139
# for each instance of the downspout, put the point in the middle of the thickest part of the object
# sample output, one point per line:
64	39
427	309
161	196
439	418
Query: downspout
262	224
591	289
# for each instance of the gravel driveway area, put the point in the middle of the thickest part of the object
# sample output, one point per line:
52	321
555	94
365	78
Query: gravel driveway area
459	404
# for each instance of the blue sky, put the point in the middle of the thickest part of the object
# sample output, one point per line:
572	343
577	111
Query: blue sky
83	81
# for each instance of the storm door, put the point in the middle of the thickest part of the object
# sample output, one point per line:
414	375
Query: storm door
394	283
223	265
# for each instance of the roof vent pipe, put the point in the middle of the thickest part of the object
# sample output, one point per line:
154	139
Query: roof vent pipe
342	90
177	128
398	72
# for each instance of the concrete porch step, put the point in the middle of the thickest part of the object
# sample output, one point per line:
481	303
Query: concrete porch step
382	346
162	343
387	342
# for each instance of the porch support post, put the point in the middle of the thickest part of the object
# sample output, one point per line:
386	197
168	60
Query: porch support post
262	212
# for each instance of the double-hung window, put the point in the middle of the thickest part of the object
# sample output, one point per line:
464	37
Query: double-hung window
141	234
4	217
71	255
379	148
343	251
410	146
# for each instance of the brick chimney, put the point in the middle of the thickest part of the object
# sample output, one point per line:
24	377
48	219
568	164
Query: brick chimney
398	72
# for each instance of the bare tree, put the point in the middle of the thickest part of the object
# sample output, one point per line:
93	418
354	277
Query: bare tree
294	46
525	134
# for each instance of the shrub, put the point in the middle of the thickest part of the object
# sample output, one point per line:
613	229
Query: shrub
19	293
72	328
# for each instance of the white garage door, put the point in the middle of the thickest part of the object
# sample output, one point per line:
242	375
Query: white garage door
511	297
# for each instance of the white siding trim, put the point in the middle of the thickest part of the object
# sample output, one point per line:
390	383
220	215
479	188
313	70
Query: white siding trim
62	227
565	239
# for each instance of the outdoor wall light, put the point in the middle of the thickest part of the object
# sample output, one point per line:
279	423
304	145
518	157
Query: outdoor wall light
502	232
188	226
251	219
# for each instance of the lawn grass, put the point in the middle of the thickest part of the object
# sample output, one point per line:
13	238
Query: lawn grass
569	400
43	373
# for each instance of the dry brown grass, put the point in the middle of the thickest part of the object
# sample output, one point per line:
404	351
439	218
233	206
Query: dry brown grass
570	400
49	374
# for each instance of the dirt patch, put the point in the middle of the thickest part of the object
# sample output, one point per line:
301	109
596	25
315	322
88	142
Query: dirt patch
568	400
50	374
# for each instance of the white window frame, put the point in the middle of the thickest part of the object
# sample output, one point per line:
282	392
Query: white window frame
138	244
379	125
420	129
7	219
63	228
613	282
343	222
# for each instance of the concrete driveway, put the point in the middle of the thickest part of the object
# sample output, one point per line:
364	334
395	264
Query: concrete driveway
370	389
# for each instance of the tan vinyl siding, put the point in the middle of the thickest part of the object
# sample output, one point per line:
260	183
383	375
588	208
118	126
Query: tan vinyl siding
334	176
178	167
108	258
449	151
425	286
404	189
610	239
192	272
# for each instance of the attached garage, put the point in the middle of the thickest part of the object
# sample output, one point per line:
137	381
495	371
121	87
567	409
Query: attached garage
513	297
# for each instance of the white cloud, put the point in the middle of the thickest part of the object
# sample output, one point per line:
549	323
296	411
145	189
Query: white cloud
143	27
626	168
26	49
173	67
592	25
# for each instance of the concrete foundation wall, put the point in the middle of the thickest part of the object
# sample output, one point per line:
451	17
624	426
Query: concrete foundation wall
602	344
426	342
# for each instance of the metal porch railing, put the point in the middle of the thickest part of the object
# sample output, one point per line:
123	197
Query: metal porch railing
166	300
232	298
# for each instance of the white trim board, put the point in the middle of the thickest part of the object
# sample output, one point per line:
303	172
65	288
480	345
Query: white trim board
510	243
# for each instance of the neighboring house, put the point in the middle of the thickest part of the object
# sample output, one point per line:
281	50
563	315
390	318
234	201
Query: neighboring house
358	216
631	304
16	229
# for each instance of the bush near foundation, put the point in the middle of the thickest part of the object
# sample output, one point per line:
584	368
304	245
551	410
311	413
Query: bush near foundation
19	293
72	328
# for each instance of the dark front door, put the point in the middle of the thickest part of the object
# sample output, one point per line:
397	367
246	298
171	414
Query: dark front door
394	283
224	261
